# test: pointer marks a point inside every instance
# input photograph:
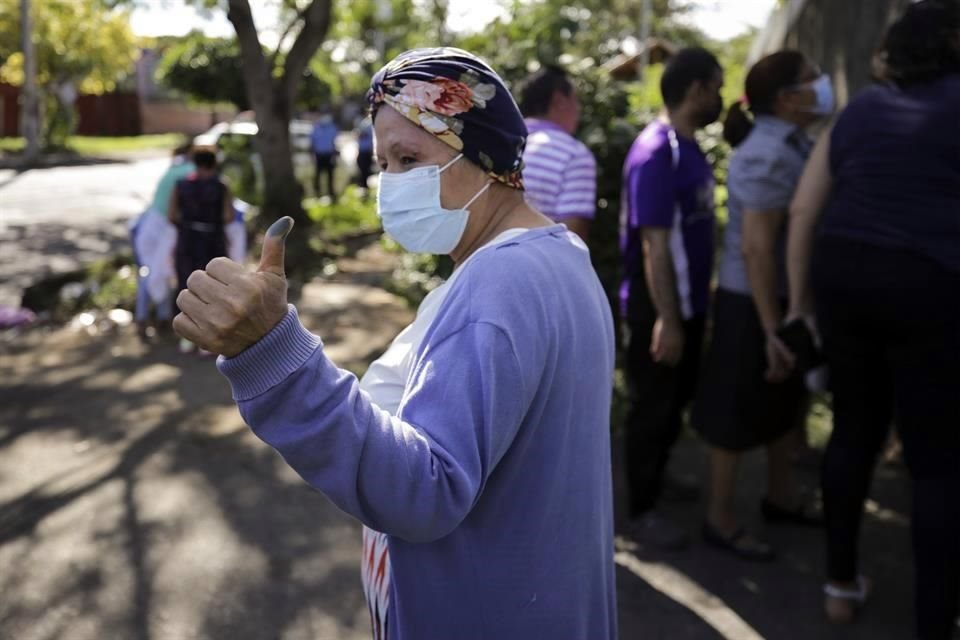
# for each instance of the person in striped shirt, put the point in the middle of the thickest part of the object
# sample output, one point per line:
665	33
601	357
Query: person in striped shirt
560	172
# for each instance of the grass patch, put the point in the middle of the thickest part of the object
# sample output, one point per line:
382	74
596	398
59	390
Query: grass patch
819	422
352	213
104	284
96	145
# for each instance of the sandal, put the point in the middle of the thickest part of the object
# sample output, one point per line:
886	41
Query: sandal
737	544
841	605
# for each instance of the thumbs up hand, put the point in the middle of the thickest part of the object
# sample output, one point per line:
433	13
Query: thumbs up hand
226	309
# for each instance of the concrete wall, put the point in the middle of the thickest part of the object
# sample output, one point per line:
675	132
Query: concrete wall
176	117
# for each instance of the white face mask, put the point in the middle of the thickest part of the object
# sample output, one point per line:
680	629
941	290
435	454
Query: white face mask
409	207
823	89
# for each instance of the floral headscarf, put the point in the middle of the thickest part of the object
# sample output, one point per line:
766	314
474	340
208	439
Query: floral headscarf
458	98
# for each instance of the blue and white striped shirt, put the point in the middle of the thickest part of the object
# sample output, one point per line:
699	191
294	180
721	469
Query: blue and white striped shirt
560	173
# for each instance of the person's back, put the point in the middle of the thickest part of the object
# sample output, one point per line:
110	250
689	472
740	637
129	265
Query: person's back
323	138
200	200
895	161
365	137
560	172
673	173
884	274
179	168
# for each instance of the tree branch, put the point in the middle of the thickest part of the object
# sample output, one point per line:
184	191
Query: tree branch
316	22
283	36
255	68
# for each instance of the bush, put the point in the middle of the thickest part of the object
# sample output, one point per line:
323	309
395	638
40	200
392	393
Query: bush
106	284
353	213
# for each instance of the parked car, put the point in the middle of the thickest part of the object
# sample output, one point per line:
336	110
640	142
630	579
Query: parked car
241	133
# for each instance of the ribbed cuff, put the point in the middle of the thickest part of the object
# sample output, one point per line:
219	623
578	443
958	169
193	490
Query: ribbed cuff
268	362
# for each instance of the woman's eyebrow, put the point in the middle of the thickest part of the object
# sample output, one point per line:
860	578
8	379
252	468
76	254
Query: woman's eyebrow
402	146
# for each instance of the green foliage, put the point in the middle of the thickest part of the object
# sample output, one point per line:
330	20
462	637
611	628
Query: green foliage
367	33
79	46
81	42
115	288
417	274
94	146
102	285
354	212
210	70
206	69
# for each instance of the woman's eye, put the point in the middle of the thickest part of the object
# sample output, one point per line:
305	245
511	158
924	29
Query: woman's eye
405	160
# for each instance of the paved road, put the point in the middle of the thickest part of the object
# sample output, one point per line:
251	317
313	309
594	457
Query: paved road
53	220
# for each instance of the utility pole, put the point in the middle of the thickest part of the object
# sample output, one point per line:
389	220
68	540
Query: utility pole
646	20
29	105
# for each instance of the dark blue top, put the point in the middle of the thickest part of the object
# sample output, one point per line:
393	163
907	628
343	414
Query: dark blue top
895	161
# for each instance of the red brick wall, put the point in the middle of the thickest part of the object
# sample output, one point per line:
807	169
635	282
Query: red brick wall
110	114
9	110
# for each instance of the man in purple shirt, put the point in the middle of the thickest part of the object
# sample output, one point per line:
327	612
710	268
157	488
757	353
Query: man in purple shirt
560	172
667	244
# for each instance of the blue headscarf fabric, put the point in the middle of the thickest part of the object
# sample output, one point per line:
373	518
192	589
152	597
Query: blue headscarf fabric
458	98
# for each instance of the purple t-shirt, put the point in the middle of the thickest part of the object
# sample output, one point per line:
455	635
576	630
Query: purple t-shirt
668	182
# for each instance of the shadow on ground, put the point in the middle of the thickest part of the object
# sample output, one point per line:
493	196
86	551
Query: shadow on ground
134	503
701	593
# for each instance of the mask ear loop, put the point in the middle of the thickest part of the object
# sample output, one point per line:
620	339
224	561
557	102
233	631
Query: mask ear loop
449	164
479	193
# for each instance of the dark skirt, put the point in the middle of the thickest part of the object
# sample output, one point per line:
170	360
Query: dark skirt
736	408
195	249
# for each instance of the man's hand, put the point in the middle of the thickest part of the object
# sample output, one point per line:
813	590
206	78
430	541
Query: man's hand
226	309
666	343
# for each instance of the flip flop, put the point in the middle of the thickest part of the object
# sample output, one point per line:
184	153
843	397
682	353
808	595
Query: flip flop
759	552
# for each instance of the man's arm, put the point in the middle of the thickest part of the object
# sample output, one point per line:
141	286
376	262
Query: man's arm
228	212
173	213
666	343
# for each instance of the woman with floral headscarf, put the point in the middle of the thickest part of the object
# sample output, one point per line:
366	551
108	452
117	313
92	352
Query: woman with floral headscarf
479	444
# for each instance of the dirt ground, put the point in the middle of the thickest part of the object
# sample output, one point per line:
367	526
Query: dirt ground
134	503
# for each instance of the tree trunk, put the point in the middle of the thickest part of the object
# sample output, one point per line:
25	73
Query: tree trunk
30	110
282	194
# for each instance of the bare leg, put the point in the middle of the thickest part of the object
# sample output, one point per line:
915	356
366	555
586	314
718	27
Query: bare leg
723	475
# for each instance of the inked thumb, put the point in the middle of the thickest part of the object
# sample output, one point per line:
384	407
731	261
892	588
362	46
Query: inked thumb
271	258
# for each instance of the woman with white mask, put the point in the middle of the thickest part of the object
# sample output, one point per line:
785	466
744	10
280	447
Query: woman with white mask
482	449
748	395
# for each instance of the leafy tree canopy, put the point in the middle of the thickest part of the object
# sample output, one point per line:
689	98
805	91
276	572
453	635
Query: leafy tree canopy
86	43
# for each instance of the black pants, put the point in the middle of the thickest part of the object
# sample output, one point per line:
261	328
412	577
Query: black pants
891	327
659	396
364	167
326	163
